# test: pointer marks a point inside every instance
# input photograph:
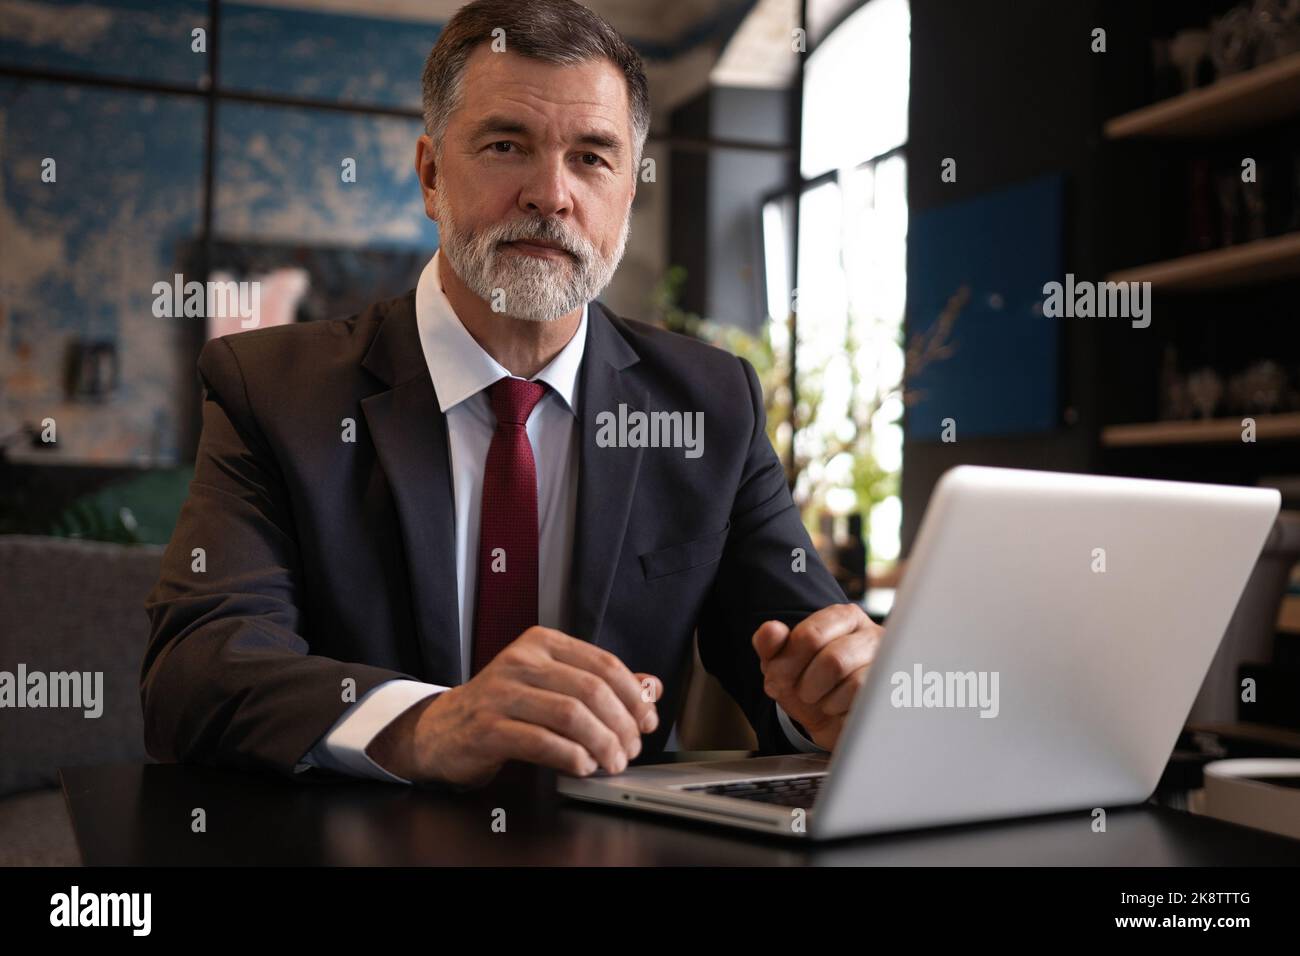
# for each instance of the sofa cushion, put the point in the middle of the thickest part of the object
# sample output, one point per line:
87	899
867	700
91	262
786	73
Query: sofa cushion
69	605
35	830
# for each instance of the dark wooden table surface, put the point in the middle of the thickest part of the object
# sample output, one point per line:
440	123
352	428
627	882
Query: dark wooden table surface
142	814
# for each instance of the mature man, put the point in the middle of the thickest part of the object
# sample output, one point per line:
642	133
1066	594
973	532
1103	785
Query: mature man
416	546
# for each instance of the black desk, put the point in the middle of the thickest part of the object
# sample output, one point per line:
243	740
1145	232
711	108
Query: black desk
141	814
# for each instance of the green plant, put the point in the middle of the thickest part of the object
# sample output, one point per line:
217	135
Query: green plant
869	482
86	518
772	369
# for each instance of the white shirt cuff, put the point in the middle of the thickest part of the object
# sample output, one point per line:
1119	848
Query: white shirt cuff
343	748
799	740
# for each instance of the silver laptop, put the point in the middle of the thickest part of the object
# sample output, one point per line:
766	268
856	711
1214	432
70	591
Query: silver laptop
1042	655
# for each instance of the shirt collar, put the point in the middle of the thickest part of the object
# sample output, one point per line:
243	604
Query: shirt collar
460	367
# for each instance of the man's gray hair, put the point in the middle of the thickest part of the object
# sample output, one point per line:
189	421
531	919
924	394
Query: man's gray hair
555	31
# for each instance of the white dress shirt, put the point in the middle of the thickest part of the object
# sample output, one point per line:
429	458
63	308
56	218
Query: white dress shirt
462	371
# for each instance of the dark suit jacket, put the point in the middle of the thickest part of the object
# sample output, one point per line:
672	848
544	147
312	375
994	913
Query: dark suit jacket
326	560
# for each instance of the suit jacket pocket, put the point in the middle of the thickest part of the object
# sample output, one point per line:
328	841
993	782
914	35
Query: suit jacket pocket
684	556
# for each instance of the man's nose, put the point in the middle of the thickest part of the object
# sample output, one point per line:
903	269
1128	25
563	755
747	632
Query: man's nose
546	190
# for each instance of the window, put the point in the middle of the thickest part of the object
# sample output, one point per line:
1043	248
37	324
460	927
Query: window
852	279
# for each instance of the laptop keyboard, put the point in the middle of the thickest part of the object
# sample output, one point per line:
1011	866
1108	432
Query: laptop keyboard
783	791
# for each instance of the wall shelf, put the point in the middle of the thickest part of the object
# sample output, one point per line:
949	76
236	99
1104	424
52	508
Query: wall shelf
1277	257
1201	431
1244	101
1256	733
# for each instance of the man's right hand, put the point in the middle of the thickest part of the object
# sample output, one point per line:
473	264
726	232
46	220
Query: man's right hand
546	698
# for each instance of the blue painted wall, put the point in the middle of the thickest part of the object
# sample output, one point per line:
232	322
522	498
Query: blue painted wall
1002	376
81	254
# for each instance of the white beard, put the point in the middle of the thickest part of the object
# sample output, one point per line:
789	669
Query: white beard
522	286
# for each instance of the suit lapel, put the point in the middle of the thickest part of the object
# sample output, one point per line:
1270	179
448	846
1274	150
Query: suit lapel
606	476
409	432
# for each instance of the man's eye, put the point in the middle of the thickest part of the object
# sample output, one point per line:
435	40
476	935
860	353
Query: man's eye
593	156
501	143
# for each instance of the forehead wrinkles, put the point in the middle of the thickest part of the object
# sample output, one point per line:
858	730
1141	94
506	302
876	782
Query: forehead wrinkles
544	115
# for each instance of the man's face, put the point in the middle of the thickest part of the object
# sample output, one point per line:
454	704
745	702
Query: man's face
543	152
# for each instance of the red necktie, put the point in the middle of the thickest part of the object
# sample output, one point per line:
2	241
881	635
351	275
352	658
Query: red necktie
507	546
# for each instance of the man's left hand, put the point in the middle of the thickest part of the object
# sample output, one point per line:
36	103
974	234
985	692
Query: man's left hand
814	671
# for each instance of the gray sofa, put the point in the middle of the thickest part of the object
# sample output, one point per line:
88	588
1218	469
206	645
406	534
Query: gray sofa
67	605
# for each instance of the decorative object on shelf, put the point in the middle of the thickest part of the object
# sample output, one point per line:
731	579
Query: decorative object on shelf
1259	389
1262	388
1221	210
1256	208
1274	184
1230	42
1228	187
1189	53
1165	80
92	370
1249	35
1274	27
1175	405
1205	389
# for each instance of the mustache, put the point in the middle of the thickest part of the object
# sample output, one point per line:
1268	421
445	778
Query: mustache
544	231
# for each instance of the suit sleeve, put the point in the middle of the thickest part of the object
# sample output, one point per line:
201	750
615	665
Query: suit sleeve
228	677
761	577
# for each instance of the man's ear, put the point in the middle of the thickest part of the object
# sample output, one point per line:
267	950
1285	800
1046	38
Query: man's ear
424	159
